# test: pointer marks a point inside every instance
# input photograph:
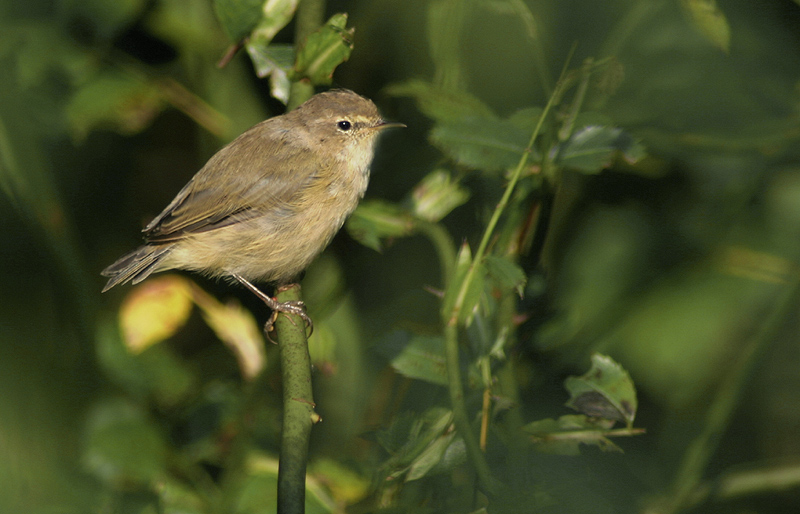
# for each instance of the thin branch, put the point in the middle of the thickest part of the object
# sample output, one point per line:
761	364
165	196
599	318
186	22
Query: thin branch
298	407
490	484
501	205
442	243
298	400
455	385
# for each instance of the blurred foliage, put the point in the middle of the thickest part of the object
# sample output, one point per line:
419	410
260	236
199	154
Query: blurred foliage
588	196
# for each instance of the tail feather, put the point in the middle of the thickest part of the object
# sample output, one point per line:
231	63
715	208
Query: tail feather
135	266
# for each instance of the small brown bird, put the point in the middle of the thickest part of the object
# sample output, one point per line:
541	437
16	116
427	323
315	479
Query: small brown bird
268	203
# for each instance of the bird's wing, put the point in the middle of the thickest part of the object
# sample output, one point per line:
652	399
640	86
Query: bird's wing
237	183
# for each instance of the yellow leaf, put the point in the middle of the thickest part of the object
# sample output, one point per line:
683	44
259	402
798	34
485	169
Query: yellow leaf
346	486
154	311
237	328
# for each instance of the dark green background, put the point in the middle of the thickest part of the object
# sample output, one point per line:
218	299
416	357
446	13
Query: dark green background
675	269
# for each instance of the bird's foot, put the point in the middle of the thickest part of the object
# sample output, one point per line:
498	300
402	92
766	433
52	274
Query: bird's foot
296	307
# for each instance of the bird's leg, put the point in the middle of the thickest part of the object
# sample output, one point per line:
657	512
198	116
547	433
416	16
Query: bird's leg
292	307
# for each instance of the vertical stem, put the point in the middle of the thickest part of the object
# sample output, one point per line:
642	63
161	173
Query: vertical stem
501	205
309	17
460	417
298	397
486	374
450	319
298	407
442	243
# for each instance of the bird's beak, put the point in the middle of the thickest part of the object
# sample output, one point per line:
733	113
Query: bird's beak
383	124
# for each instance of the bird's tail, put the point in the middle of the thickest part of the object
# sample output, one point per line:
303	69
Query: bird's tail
135	266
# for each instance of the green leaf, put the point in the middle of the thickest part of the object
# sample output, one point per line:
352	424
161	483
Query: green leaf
395	436
422	358
563	436
430	457
484	143
526	119
421	445
236	327
709	19
238	17
441	104
113	100
463	305
323	51
606	391
376	220
592	148
275	15
122	445
506	274
273	61
437	195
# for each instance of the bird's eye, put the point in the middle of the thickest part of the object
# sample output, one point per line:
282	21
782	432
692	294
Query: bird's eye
343	125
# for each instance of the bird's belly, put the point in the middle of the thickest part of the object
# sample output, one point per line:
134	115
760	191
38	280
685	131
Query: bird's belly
269	248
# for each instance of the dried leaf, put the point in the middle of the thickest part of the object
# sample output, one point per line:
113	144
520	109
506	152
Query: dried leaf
154	311
237	328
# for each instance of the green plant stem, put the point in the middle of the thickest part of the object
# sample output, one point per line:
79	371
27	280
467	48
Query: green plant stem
298	396
501	205
453	364
445	249
460	418
748	482
699	452
309	17
298	407
442	243
176	94
506	379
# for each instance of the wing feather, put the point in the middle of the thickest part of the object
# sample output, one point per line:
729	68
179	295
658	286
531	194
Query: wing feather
258	173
